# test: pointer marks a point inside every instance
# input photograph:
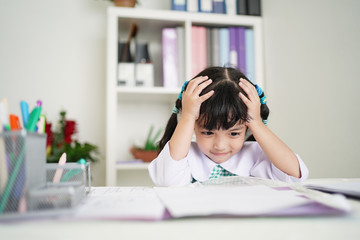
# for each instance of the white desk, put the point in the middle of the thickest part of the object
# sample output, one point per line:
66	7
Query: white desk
336	227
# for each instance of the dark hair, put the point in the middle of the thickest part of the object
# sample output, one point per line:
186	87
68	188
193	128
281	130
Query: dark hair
223	109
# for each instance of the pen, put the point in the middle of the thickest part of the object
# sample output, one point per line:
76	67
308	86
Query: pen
41	124
73	172
33	119
24	112
14	122
59	170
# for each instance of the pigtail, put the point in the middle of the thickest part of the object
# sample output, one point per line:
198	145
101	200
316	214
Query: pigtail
170	126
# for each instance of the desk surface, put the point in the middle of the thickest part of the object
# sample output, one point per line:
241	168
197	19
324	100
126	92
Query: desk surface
334	227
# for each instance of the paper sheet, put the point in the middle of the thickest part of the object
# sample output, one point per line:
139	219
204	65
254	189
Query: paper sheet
228	200
133	203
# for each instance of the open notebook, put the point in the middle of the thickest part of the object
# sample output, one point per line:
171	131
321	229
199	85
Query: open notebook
228	196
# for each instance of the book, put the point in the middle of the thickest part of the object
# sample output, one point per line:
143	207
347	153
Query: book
198	44
242	7
169	58
180	31
224	43
253	7
241	49
192	5
233	48
215	47
178	5
209	52
347	187
205	6
218	6
230	7
250	55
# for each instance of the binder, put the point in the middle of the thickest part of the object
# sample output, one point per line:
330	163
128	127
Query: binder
253	7
218	6
205	6
231	7
192	5
169	57
224	43
198	43
180	31
178	5
250	54
242	7
241	49
233	57
215	48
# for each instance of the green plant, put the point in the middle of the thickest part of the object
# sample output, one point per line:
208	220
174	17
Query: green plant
61	140
151	141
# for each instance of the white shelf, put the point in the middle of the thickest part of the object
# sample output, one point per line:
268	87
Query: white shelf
131	110
132	166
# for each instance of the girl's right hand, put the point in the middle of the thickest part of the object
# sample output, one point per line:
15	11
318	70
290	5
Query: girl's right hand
191	101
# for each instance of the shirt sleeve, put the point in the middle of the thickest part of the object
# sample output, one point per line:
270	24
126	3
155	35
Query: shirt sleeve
263	168
164	171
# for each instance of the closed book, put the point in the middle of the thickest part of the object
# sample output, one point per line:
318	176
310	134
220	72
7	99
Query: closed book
198	49
205	6
218	6
208	47
178	5
250	54
230	6
253	7
242	7
241	49
169	57
224	40
233	57
180	31
215	47
192	5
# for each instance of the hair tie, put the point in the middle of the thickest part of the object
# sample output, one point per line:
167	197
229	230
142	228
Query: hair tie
182	90
261	94
175	110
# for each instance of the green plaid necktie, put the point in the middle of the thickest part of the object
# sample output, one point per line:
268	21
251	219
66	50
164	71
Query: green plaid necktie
219	171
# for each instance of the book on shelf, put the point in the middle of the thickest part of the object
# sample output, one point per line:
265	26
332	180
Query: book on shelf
218	6
253	7
198	45
215	46
224	42
233	46
179	5
241	49
209	44
180	31
205	6
192	5
169	57
250	54
242	7
230	7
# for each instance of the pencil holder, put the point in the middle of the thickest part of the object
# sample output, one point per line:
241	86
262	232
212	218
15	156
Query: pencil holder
22	167
66	186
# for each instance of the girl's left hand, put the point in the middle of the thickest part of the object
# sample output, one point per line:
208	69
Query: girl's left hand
252	102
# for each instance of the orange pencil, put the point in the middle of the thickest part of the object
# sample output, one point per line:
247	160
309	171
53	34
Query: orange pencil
14	122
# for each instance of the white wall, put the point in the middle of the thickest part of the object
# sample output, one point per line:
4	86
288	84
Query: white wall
312	57
55	51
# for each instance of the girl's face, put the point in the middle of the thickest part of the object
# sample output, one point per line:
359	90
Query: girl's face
220	145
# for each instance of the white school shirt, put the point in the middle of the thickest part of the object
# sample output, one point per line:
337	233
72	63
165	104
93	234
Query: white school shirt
250	161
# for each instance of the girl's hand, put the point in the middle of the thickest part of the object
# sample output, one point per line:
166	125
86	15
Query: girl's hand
191	101
252	102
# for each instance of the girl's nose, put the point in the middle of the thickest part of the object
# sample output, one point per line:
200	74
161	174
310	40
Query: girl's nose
219	143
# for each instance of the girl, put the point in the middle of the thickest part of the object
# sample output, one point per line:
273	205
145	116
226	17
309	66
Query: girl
221	105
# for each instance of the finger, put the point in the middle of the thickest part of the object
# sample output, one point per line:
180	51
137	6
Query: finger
244	98
249	89
206	96
195	82
202	86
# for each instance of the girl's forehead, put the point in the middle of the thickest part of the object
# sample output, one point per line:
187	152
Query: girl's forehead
238	126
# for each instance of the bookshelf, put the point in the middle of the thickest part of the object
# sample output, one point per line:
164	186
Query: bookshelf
130	111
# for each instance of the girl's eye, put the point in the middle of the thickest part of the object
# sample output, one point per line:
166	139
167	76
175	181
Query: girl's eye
234	134
207	133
